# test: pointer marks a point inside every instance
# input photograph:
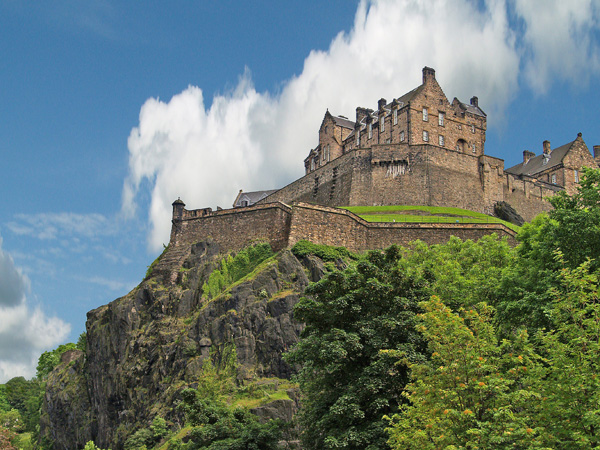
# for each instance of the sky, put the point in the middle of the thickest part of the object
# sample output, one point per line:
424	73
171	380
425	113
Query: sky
112	110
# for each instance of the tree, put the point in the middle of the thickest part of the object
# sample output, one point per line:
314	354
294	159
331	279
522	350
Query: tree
475	392
346	382
573	228
50	359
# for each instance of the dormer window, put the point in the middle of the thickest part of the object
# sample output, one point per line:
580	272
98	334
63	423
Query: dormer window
395	117
425	115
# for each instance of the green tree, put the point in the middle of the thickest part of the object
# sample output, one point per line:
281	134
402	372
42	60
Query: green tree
573	228
50	359
474	392
345	379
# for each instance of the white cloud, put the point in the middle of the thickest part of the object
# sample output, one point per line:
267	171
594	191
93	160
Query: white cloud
252	140
25	332
50	226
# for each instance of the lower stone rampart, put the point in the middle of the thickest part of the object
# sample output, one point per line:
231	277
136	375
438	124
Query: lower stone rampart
282	226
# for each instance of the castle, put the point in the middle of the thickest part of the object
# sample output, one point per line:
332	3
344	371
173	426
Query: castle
418	149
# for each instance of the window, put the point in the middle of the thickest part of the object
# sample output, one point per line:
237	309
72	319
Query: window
474	149
425	136
402	136
382	124
441	118
576	176
441	140
395	117
312	163
326	153
553	178
425	115
358	138
473	129
370	130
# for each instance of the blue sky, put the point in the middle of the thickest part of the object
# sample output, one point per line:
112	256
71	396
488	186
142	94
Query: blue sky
111	110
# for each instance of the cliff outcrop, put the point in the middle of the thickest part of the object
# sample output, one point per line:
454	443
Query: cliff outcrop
143	349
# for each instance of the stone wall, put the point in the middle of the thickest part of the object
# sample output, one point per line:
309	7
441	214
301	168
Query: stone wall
282	226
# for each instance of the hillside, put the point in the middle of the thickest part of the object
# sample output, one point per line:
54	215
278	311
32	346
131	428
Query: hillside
143	349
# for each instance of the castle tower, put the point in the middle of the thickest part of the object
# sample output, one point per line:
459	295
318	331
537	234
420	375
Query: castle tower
178	207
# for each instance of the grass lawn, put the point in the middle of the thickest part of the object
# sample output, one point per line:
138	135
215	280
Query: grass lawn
423	214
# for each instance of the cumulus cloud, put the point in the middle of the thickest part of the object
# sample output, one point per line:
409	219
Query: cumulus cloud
25	332
251	140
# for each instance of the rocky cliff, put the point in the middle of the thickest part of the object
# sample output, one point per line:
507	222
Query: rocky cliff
144	348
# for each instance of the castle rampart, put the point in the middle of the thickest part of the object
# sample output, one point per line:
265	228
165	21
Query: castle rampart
282	226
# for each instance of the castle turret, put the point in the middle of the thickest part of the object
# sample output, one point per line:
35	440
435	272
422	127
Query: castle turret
178	207
597	154
475	101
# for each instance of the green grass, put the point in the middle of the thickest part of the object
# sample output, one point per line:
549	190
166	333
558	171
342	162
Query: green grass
434	214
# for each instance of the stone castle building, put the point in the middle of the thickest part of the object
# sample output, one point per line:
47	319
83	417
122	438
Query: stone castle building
418	149
422	149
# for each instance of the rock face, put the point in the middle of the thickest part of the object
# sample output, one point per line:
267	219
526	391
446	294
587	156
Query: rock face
504	211
144	348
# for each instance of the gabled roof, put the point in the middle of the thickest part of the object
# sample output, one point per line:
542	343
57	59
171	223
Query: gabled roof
541	163
251	197
406	98
343	122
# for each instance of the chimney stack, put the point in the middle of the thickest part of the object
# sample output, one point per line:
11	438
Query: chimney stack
361	113
475	101
381	103
547	149
527	155
428	74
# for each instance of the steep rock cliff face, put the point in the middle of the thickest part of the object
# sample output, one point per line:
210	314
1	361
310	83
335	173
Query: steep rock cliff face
145	347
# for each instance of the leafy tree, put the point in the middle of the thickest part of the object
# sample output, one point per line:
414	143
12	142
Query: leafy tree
346	381
4	405
26	397
90	445
50	359
573	228
480	392
475	392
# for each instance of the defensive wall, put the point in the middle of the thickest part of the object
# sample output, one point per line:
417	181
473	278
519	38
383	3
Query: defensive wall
282	226
401	174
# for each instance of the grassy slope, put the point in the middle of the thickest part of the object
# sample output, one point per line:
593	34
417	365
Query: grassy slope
433	214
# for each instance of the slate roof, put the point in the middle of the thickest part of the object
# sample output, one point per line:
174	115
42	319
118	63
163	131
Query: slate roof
536	164
251	197
343	122
472	109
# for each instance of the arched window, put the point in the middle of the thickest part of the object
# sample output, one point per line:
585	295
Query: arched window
461	145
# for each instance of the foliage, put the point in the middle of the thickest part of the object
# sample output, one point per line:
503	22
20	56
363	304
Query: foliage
90	445
325	252
50	359
26	397
82	342
4	405
234	268
480	392
573	228
347	383
217	426
474	392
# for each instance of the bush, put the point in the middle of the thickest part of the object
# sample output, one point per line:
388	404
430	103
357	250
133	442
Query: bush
325	252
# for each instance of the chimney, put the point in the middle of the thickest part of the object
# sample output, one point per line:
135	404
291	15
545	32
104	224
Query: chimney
475	101
428	74
361	113
381	103
527	155
547	149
